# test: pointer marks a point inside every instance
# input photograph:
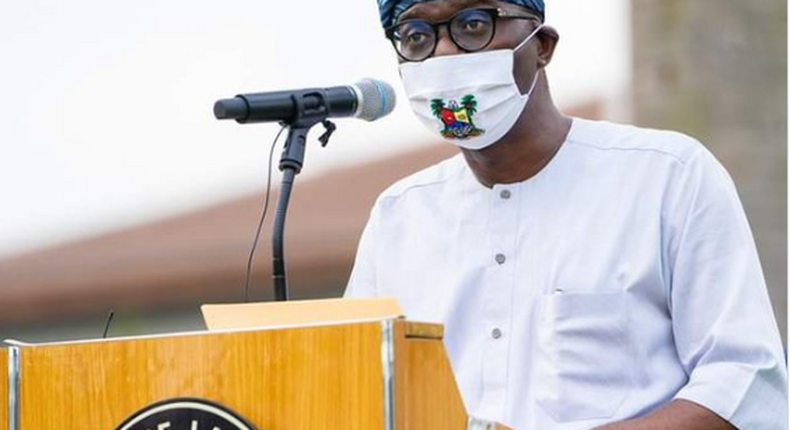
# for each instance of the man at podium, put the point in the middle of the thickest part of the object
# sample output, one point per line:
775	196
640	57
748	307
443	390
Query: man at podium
588	274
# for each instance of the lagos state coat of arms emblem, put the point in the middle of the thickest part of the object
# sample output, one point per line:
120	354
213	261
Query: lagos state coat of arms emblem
456	117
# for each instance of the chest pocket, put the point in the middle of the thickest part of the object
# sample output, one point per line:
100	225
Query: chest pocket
584	368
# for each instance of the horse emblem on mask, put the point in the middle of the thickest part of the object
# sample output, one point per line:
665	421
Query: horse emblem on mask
456	117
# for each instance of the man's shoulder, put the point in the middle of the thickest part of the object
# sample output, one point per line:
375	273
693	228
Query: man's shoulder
435	175
621	138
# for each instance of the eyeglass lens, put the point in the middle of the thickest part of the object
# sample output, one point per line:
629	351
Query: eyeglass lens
471	30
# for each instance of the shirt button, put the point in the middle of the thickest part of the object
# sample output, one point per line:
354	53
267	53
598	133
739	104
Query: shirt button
500	258
505	194
496	333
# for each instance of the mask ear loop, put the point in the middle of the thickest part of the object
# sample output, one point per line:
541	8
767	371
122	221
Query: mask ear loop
525	41
520	45
532	87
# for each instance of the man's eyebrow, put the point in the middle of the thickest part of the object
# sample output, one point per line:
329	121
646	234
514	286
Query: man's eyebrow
466	3
404	15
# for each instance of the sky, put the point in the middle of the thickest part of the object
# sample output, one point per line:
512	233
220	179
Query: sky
106	120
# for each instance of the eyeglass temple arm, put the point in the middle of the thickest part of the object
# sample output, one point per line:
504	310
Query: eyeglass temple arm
502	13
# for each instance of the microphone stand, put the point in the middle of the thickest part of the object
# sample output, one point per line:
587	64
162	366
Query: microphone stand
291	163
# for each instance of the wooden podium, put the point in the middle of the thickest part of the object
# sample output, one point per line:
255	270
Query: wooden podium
387	374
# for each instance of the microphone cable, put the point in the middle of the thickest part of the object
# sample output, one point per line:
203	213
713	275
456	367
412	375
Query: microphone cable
263	216
107	323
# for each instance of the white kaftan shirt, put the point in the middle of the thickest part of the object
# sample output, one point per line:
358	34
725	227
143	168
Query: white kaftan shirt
620	277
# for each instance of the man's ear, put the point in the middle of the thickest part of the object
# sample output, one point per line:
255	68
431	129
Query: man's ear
548	38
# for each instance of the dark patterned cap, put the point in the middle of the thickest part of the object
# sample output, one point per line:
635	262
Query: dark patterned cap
389	10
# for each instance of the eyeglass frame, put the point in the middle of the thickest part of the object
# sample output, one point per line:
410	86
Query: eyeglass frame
494	12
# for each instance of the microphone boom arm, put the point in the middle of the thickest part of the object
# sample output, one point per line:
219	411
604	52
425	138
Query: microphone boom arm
291	163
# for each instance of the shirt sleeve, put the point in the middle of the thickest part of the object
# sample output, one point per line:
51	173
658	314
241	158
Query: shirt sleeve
724	328
362	282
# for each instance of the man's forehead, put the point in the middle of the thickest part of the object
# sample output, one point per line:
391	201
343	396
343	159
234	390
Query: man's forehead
390	10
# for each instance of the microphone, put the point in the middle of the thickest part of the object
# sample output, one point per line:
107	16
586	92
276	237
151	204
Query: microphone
368	99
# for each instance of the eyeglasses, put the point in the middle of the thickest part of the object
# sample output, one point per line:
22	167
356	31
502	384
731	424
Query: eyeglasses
470	29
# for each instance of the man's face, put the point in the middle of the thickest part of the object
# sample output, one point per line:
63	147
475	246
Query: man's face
508	35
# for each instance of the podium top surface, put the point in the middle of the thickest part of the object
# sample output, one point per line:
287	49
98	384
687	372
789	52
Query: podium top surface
300	312
249	317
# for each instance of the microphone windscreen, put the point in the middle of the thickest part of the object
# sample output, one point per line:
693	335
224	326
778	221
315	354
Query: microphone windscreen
376	99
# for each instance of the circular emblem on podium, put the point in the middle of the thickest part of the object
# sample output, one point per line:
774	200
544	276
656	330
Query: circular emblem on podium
185	414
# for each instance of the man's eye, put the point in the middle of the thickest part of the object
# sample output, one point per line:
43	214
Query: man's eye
473	26
415	38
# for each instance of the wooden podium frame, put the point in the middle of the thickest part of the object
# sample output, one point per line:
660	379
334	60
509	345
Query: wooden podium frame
387	374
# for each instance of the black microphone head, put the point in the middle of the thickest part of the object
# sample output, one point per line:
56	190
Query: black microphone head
235	108
376	99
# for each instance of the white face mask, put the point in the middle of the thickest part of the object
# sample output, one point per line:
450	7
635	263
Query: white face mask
472	100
